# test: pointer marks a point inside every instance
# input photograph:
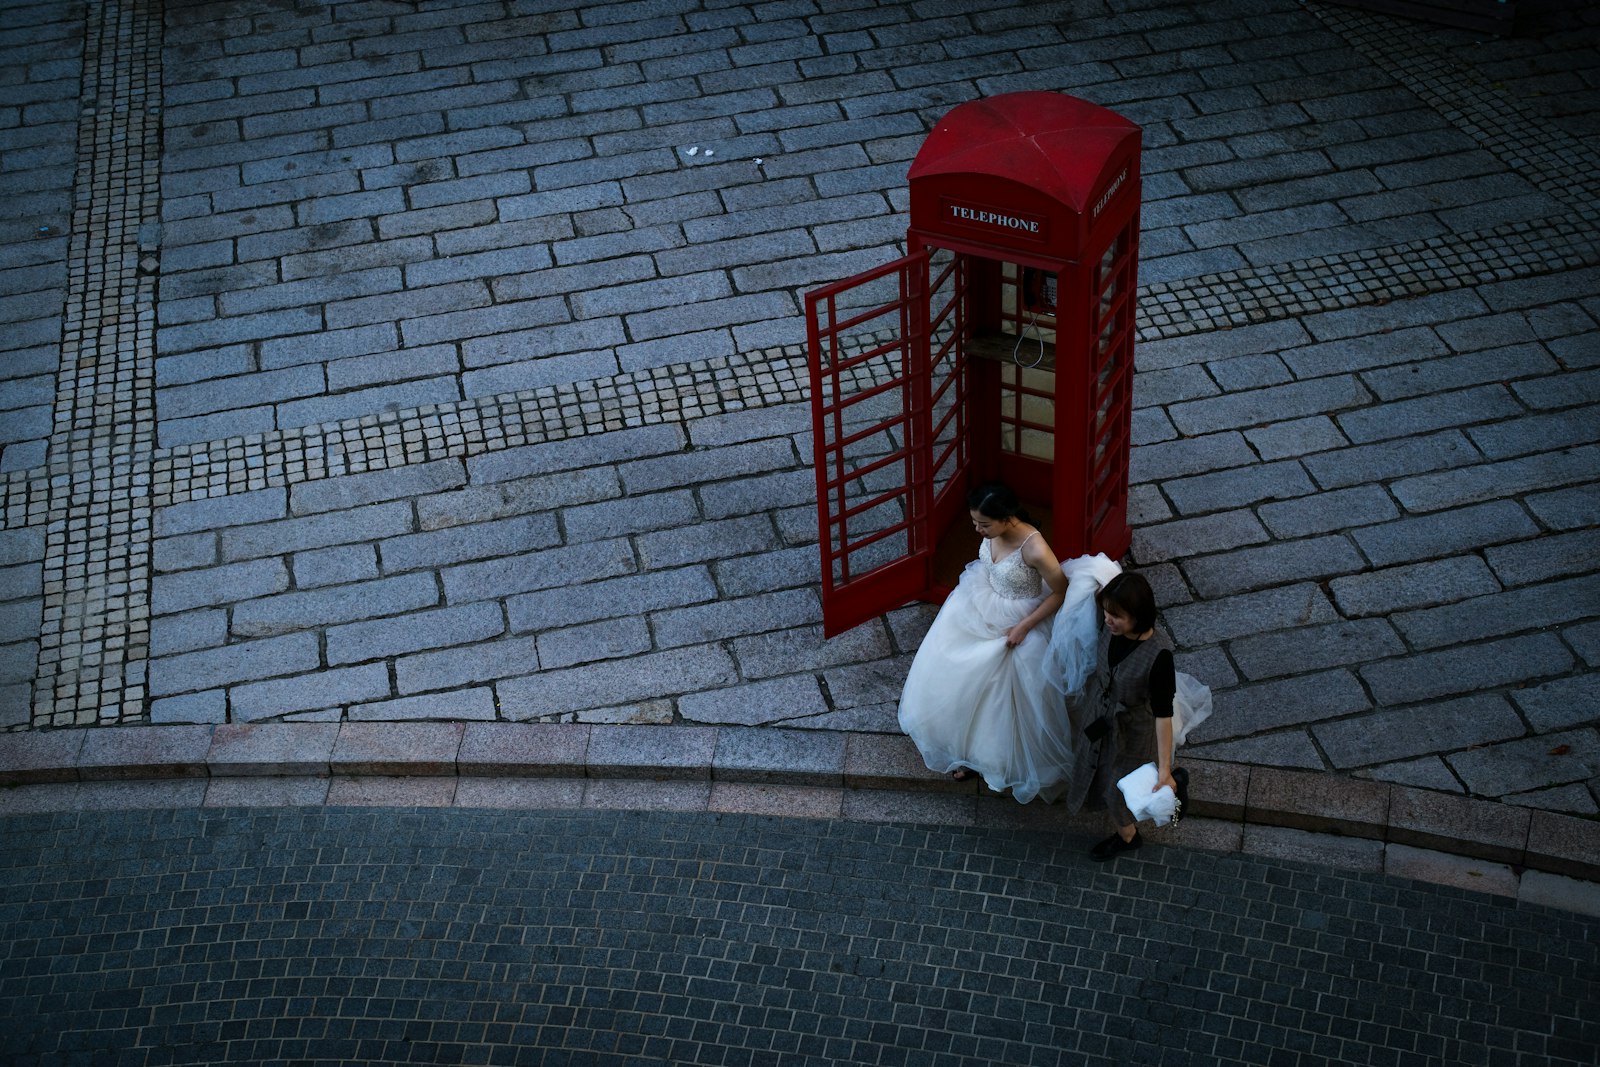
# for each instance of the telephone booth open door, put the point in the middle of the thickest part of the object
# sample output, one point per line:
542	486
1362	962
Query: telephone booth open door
1000	346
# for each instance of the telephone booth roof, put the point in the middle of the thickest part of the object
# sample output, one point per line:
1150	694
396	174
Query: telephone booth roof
1029	172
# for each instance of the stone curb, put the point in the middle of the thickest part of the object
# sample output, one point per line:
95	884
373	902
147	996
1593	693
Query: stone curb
395	760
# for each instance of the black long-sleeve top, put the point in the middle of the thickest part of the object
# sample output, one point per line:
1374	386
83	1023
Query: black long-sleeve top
1163	675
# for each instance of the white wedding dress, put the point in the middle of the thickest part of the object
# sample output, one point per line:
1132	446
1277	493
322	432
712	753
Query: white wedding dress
970	701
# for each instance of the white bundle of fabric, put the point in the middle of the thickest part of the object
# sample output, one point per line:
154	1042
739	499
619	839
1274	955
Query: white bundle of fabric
1137	786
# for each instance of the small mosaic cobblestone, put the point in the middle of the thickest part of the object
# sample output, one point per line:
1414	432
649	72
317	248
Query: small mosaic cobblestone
335	936
95	634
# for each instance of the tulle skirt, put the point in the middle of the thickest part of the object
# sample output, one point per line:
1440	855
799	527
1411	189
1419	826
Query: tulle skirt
970	701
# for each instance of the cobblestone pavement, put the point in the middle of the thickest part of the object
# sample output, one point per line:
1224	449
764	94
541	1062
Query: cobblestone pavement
323	936
395	362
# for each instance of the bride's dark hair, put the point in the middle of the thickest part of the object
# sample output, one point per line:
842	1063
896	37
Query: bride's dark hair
997	500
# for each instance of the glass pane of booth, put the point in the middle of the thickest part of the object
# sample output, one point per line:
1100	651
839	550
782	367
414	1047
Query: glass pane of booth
1028	309
1027	411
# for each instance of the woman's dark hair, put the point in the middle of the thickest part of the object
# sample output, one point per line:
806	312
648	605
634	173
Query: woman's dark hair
997	500
1129	594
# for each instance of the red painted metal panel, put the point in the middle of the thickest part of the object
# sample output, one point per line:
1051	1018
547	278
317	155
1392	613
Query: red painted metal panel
868	346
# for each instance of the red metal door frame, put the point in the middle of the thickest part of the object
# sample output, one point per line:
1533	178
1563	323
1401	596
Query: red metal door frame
886	481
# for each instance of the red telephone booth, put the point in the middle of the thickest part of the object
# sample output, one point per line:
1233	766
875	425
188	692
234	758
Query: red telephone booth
1001	346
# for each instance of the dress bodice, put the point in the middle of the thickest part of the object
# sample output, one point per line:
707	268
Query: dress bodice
1011	578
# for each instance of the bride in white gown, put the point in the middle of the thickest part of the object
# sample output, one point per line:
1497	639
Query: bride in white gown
979	698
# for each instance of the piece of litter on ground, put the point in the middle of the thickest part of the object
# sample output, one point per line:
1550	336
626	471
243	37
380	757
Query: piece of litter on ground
709	152
758	161
692	150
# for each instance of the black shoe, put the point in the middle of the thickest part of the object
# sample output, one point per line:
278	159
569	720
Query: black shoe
1114	846
1181	776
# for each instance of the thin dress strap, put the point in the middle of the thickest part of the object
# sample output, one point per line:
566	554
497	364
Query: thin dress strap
1018	549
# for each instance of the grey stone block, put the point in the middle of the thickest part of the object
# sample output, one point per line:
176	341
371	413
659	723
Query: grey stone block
18	662
455	668
735	617
414	631
606	639
1191	537
1391	459
389	367
656	752
1295	701
317	608
1236	488
355	403
1384	736
308	692
1456	372
1195	455
1424	311
646	677
1585	640
1286	748
455	705
189	631
1515	766
1489	481
1404	418
239	329
1347	354
1560	390
529	571
707	541
1336	510
184	552
1267	337
755	703
804	648
521	497
728	461
781	569
21	546
36	756
240	422
258	505
1273	655
350	526
145	752
1561	703
26	580
354	490
256	749
1284	608
632	514
1168	386
172	593
778	756
1536	433
1418	585
20	620
870	684
1444	533
410	748
611	598
1467	669
535	347
518	749
460	544
288	791
1567	509
334	566
1491	615
1551	556
1276	564
576	453
1237	410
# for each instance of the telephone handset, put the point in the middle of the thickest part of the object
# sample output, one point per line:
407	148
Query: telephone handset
1038	298
1038	291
